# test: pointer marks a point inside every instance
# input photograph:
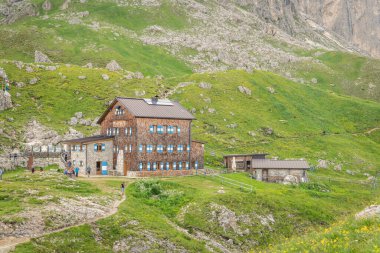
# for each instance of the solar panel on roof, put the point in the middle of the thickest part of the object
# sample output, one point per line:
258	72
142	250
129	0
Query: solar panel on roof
159	102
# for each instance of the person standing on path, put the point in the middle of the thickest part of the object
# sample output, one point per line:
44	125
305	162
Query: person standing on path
76	171
1	174
88	171
122	189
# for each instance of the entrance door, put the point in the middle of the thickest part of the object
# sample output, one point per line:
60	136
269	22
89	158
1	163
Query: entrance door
265	174
98	168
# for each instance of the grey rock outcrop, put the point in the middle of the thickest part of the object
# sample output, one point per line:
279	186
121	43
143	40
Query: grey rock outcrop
113	66
5	100
369	212
290	180
13	10
205	85
47	5
105	77
244	90
40	57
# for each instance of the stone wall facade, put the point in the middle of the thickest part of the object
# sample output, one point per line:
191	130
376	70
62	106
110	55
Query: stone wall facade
278	175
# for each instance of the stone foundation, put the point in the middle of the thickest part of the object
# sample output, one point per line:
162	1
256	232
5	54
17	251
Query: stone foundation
165	173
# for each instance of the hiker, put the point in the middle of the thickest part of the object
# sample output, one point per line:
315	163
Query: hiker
1	174
88	171
76	171
33	170
71	173
122	189
65	172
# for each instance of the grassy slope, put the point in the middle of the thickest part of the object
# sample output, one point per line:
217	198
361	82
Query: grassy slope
298	114
296	211
79	44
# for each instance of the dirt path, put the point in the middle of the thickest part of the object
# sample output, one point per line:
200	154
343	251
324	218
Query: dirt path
8	244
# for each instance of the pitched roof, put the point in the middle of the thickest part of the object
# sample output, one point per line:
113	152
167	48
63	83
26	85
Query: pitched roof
279	164
89	139
144	108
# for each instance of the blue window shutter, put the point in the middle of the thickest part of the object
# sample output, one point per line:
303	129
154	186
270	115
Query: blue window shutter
103	147
95	147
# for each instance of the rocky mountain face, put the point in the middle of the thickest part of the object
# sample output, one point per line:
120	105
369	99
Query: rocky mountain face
357	22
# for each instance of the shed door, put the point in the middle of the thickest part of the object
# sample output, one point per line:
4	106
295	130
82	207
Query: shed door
265	174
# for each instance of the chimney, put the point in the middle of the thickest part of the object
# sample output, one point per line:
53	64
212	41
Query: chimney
155	100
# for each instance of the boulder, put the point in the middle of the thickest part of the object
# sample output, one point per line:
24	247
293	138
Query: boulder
139	93
369	212
290	179
78	115
105	77
82	77
322	164
244	90
338	167
314	80
211	110
51	68
271	90
34	80
5	100
29	69
88	65
205	85
40	57
113	66
46	6
65	5
73	121
267	131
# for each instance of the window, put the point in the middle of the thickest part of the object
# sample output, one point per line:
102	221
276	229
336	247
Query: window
130	148
148	166
170	130
161	165
178	130
174	165
180	148
160	129
141	147
151	129
116	149
99	147
149	148
126	148
180	165
140	166
170	148
160	149
130	131
108	131
187	165
77	147
126	131
188	148
196	165
167	166
81	163
74	162
154	166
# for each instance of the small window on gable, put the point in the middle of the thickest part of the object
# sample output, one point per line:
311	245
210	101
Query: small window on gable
119	110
